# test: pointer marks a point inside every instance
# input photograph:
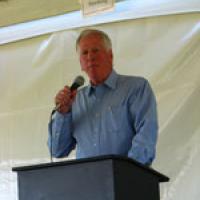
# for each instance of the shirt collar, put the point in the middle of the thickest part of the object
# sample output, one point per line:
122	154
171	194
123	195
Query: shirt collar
110	82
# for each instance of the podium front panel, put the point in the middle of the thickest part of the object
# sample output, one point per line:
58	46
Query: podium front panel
84	181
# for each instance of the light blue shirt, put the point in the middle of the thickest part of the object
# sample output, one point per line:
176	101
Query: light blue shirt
117	117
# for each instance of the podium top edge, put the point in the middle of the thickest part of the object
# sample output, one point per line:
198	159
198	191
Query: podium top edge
161	177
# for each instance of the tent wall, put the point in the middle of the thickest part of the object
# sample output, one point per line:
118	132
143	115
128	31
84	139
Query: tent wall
163	49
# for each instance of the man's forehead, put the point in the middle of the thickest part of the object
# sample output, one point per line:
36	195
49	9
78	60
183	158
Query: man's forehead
91	36
91	41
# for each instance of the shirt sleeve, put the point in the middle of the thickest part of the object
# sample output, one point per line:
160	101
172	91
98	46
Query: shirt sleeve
60	140
144	116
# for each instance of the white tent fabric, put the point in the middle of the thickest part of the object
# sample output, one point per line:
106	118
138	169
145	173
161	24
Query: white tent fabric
132	9
164	49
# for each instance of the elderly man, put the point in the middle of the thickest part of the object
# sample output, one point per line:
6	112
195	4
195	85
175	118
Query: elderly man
114	114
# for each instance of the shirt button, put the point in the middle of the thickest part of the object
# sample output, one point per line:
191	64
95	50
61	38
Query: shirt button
95	144
97	115
57	134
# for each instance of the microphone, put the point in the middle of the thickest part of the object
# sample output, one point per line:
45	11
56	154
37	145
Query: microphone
78	82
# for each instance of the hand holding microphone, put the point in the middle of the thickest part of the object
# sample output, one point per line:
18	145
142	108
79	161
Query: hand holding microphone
64	99
66	96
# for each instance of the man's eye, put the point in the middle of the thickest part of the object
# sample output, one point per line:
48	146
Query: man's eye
95	50
84	52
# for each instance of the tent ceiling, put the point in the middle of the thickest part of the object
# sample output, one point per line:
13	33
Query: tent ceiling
17	11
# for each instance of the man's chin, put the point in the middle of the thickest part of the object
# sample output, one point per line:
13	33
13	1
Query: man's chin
94	79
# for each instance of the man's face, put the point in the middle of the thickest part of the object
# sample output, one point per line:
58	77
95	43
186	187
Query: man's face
95	59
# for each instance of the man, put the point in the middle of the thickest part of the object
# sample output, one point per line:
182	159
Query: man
114	114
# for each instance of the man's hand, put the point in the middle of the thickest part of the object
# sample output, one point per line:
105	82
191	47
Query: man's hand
64	99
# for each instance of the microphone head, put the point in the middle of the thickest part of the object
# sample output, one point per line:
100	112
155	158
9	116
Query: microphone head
79	81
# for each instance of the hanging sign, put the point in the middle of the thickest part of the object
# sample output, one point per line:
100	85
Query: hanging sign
93	7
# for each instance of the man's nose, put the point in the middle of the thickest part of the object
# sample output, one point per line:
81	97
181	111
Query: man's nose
90	55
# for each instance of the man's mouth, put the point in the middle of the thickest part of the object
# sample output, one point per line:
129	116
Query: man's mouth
92	65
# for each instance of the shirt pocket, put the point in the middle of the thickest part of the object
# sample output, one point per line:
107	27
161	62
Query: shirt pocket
113	117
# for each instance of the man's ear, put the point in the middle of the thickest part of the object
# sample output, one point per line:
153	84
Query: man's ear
111	54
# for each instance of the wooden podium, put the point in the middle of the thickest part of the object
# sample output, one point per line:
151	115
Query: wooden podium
98	178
